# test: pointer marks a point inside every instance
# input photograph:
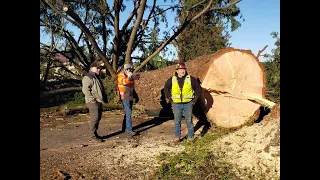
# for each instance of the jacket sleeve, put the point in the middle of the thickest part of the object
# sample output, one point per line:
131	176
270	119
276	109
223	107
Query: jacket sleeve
124	80
86	88
167	88
196	87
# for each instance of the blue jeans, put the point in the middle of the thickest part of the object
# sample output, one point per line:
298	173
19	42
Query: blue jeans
186	109
127	121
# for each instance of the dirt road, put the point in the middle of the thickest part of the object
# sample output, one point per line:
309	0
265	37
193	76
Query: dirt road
67	151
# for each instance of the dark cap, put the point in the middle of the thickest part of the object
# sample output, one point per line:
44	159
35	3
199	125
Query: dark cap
97	64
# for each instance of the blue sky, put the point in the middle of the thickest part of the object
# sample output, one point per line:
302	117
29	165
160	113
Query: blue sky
261	18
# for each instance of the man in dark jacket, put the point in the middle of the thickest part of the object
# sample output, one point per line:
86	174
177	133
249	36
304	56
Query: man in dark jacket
95	95
183	91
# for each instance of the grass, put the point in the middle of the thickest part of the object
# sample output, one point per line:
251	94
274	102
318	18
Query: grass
198	161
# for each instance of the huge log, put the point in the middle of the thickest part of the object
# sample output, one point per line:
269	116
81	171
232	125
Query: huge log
59	91
234	86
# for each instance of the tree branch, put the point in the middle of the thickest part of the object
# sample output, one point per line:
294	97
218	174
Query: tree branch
60	82
59	12
57	51
78	22
179	30
144	24
116	40
173	7
225	7
134	31
129	19
82	57
90	50
260	51
59	91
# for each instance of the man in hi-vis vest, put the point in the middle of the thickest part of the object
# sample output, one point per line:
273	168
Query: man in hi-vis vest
183	91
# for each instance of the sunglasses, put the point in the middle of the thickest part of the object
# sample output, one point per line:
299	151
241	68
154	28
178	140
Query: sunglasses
130	69
100	67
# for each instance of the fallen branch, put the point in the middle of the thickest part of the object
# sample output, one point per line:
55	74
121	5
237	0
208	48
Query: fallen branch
259	100
64	110
60	82
59	91
260	51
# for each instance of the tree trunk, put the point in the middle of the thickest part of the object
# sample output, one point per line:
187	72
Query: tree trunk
233	87
78	81
59	91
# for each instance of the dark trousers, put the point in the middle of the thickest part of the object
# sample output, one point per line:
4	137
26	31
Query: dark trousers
95	112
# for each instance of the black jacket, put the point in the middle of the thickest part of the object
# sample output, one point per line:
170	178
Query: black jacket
194	83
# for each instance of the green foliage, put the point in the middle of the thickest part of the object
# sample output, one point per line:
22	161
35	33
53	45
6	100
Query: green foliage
272	70
112	106
49	110
195	161
58	100
78	99
110	88
215	168
208	33
158	62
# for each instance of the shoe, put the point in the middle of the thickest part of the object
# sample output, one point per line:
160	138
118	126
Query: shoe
132	133
177	139
97	140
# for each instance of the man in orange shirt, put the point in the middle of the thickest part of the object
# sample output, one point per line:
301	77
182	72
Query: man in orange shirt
125	80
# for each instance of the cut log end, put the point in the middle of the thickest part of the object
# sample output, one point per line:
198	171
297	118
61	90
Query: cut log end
233	87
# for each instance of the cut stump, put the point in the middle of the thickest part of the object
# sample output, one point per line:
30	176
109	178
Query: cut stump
233	87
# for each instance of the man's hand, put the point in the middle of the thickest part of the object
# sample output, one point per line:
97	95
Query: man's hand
136	77
169	100
136	100
194	100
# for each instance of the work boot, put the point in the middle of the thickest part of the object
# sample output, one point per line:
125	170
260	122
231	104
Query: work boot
96	140
131	133
177	139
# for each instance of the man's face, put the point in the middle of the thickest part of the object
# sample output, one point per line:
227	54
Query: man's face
95	70
181	72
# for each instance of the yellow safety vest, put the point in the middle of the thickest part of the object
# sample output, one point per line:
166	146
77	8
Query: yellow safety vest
187	93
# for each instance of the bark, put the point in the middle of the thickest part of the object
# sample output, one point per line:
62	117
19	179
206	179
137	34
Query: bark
60	82
59	91
134	31
64	110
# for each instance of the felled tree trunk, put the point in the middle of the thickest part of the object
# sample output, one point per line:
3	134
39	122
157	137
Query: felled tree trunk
233	85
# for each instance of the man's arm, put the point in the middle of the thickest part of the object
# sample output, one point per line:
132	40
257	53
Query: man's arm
167	89
197	89
124	80
86	88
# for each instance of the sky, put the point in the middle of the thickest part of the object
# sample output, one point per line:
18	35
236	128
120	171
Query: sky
261	18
